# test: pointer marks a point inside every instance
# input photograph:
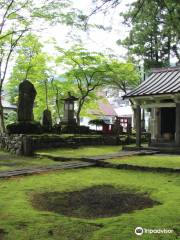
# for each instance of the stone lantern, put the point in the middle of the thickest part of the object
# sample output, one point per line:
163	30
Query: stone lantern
68	117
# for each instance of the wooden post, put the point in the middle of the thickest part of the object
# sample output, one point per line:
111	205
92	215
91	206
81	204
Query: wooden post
177	135
157	124
138	126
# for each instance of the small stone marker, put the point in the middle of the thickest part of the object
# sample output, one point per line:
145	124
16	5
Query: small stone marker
47	120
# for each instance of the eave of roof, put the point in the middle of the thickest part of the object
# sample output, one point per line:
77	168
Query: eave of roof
161	81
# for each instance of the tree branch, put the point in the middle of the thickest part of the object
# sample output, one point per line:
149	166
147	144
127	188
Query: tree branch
4	16
141	5
18	9
30	61
13	45
11	33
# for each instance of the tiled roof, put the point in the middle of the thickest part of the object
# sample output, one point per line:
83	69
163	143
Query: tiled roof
161	81
104	109
107	108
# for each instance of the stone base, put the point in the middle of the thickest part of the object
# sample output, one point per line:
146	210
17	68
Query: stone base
69	122
75	129
24	128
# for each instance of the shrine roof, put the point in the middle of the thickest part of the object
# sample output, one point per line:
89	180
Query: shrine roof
161	81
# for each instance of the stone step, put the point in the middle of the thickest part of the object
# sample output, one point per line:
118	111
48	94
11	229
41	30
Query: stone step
101	157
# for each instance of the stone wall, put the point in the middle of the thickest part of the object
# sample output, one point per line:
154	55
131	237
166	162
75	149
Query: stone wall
21	144
12	143
41	142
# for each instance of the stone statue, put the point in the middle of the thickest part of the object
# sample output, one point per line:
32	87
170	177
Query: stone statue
27	94
47	120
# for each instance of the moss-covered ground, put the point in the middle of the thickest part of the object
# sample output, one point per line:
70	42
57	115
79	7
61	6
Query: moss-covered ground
158	160
19	220
10	162
81	151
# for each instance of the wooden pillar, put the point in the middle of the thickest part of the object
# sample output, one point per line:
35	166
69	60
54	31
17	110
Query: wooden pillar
177	135
157	123
152	121
143	120
138	126
134	118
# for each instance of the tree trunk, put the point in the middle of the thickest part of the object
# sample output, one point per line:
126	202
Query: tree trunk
81	103
2	125
46	93
156	50
78	115
57	107
175	50
151	52
169	49
78	119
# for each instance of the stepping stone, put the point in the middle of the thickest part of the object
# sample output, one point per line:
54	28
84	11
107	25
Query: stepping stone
34	170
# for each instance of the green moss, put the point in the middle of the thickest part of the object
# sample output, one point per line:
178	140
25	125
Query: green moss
81	151
8	161
168	161
21	221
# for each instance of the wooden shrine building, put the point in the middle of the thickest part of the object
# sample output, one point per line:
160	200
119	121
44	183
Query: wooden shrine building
160	95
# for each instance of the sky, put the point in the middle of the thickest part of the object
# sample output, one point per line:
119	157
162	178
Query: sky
95	39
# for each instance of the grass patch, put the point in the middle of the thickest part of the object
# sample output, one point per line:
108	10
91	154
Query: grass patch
81	151
166	161
19	220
